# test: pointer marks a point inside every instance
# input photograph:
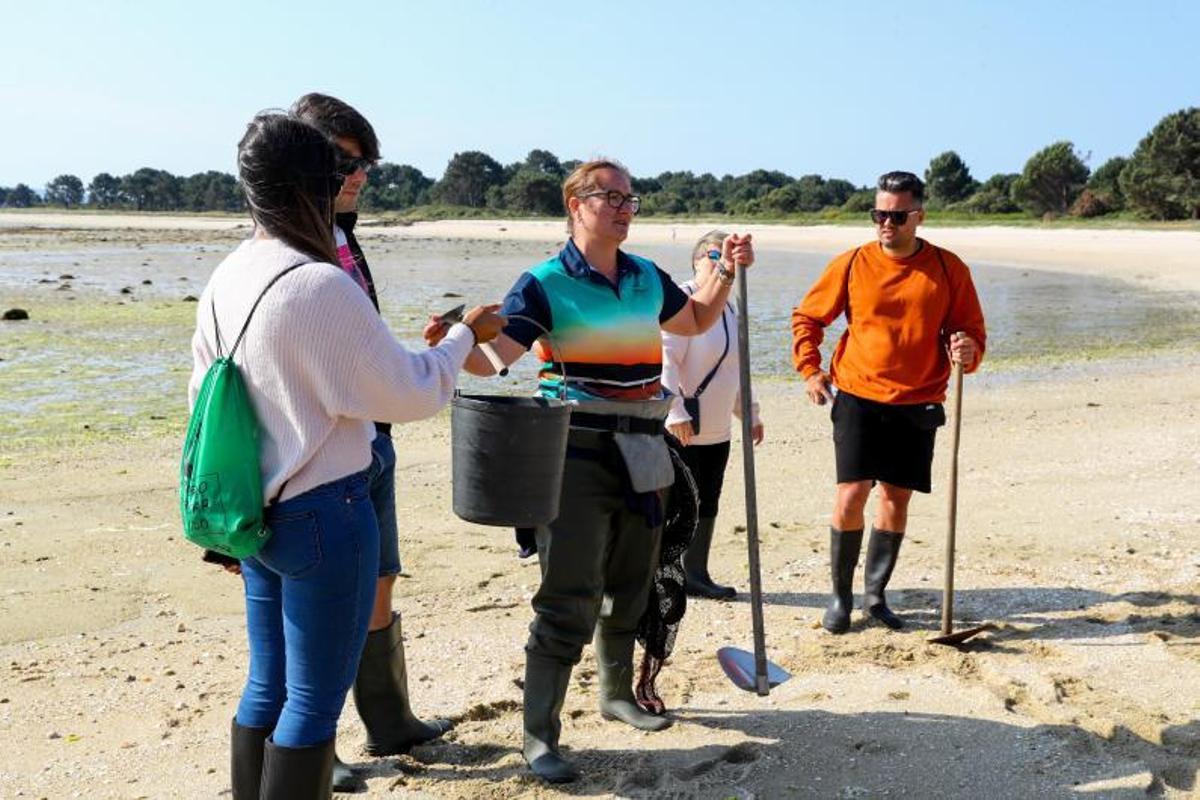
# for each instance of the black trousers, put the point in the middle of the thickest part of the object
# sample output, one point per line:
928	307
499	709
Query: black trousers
707	464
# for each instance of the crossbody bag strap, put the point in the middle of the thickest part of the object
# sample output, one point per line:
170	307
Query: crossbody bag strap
713	372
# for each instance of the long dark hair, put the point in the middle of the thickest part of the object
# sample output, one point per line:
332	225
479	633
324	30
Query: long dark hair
286	168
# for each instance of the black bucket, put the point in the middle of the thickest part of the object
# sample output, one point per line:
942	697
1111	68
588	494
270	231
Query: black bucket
507	457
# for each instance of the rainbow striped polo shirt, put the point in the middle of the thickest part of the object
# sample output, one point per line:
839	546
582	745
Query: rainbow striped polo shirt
604	337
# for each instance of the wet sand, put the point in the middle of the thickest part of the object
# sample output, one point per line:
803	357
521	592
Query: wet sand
123	656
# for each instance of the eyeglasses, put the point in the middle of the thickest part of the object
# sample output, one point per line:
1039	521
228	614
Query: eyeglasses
714	255
617	199
348	165
898	218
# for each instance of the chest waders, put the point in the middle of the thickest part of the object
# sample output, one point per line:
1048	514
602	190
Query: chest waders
597	561
598	556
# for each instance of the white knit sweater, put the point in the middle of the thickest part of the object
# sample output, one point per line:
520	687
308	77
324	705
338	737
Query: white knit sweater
686	362
319	364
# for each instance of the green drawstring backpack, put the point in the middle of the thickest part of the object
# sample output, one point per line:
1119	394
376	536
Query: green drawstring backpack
220	477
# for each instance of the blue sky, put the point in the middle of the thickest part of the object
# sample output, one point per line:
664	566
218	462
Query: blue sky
843	90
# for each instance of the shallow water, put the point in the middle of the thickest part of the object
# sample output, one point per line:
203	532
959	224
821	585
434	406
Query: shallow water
1031	314
93	353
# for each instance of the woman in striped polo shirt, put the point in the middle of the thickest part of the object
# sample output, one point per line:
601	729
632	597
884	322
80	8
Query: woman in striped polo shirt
593	315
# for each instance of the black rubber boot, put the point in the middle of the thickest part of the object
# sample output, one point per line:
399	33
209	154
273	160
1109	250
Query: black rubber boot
297	773
695	565
882	551
345	779
546	684
843	558
246	760
614	662
381	696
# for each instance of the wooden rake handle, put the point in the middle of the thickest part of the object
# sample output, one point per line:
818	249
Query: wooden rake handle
952	504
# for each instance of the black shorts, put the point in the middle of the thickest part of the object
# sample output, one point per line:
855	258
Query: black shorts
882	442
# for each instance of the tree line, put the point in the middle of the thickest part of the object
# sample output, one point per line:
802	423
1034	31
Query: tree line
1159	180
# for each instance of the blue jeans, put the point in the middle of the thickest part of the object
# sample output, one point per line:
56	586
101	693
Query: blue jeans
309	593
382	475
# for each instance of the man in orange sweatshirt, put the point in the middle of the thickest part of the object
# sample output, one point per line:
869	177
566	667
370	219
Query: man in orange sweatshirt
911	309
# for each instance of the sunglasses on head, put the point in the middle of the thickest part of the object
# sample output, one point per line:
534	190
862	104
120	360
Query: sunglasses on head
878	216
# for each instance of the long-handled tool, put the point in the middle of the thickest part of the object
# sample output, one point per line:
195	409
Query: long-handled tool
947	637
752	673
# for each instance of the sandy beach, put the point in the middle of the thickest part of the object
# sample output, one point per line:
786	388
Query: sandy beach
1079	511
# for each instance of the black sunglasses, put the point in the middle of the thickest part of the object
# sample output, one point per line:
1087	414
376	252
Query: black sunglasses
347	165
897	217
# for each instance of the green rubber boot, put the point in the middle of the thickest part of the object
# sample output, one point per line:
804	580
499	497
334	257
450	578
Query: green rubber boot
614	658
381	696
546	684
695	565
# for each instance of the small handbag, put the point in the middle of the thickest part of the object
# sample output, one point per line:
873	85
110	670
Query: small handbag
692	404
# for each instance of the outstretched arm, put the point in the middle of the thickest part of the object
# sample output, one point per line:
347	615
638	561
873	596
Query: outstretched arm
705	306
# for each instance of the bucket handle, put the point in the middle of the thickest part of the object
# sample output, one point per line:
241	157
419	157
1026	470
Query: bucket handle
553	351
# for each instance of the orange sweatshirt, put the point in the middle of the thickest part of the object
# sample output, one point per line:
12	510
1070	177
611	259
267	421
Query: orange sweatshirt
901	313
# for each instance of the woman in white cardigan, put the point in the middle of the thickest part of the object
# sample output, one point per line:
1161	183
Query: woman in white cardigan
319	366
702	372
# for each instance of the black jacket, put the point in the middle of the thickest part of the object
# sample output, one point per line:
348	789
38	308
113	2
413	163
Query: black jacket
346	222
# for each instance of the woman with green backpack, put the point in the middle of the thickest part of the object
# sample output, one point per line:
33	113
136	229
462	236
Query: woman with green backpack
318	366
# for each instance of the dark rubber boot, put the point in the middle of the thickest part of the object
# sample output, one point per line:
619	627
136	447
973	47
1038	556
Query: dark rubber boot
546	684
246	759
345	779
297	773
381	696
695	565
614	660
843	558
882	551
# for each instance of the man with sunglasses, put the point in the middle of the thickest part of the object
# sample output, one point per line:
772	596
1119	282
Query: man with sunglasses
911	309
381	684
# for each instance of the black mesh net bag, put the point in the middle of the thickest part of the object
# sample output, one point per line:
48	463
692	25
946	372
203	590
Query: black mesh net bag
668	600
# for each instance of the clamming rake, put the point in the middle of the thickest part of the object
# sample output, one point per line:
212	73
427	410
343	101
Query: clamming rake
946	636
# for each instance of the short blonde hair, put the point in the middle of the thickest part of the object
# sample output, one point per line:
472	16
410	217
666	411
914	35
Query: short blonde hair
713	240
580	182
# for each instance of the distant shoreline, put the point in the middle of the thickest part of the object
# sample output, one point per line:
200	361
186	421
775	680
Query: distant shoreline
1150	257
216	220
